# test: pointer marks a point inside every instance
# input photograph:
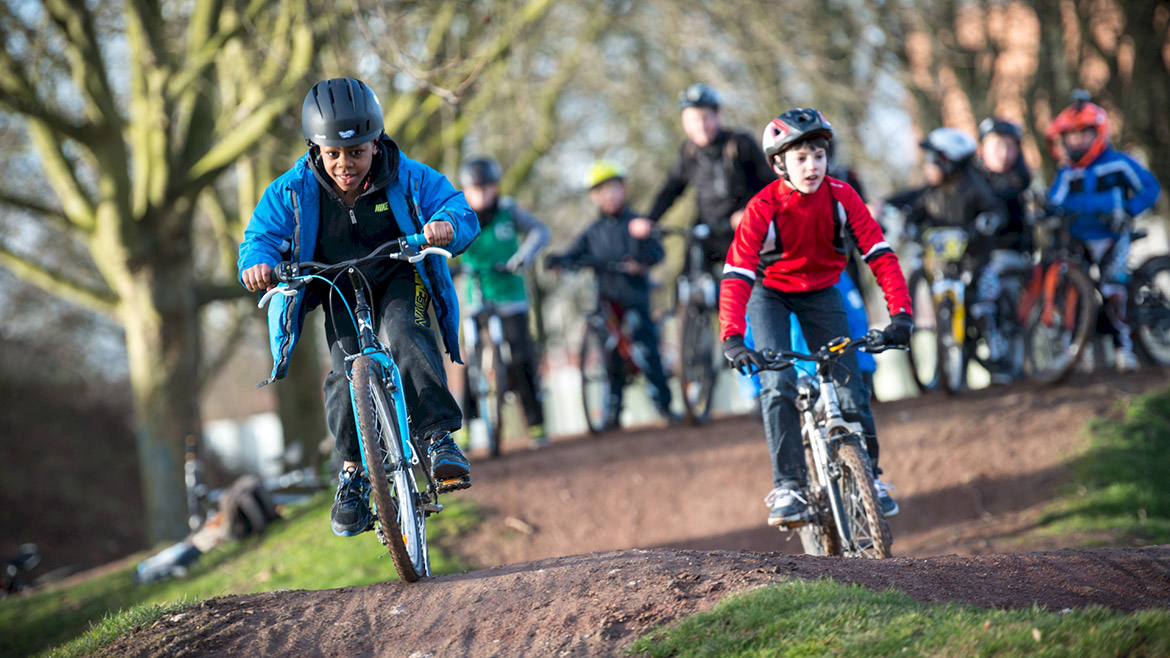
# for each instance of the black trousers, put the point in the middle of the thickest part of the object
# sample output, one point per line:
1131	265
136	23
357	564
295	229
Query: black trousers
401	310
522	367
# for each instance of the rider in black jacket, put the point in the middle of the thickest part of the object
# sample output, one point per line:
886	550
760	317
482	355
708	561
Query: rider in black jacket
621	263
726	168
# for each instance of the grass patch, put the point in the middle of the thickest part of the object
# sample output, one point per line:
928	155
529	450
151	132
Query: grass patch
815	618
298	552
1121	492
114	626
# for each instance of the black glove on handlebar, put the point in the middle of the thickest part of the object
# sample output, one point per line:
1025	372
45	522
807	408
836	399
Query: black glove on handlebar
742	357
898	331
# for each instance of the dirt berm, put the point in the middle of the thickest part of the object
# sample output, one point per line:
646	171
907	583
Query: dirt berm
587	544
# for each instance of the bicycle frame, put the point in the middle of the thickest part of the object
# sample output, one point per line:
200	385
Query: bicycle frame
401	512
824	429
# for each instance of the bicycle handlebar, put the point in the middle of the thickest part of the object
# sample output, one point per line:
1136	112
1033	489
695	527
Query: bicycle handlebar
873	342
293	273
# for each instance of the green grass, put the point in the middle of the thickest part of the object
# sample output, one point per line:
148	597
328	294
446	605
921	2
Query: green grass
299	552
1121	494
817	618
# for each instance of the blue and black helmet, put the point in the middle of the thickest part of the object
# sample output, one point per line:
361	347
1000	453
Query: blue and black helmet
341	112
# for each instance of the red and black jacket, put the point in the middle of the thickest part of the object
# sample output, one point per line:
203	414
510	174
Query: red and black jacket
796	243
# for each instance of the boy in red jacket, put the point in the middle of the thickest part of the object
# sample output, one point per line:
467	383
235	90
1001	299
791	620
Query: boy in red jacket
789	250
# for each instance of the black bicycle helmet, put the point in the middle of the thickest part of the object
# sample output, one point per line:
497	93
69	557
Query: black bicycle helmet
341	112
1000	127
699	95
479	171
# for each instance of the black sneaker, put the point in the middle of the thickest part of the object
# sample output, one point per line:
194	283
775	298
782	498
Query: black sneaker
351	508
447	461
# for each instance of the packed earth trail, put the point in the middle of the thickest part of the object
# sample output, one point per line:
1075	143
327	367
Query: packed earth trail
586	545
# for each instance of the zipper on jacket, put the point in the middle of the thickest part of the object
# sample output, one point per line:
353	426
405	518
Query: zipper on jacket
352	217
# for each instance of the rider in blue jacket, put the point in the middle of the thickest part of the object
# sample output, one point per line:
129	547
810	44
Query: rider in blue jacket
1105	189
353	191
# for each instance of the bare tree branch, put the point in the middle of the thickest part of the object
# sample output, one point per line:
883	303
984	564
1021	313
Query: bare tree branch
55	283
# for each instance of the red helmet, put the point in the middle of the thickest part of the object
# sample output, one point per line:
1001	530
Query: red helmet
1081	115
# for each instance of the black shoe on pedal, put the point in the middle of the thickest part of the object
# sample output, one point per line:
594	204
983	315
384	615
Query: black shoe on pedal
448	462
351	507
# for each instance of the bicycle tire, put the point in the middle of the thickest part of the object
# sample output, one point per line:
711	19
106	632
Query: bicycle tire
696	368
1149	310
1060	322
923	339
867	526
401	520
595	377
819	535
952	349
489	391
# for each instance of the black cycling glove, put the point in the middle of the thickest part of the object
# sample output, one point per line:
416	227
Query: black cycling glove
898	331
742	357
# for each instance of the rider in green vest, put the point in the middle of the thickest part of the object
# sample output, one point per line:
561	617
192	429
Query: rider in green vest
494	264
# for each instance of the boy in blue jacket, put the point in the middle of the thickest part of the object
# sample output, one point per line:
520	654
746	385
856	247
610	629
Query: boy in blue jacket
353	191
1105	189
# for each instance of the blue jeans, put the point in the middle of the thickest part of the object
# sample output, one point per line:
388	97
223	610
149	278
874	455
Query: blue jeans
822	317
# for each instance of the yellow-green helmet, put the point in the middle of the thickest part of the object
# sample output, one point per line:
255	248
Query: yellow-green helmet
604	170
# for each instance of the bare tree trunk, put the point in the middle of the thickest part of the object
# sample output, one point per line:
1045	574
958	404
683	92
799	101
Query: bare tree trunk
159	311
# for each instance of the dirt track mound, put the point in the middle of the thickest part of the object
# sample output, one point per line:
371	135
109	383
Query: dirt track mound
596	604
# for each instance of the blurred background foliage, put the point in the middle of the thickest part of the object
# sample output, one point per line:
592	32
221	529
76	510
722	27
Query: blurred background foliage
137	137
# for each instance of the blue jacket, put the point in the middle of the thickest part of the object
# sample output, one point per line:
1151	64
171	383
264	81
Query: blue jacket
1094	191
284	226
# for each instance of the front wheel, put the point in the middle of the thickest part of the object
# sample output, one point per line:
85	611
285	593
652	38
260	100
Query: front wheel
1149	310
1060	322
868	533
397	505
696	366
596	380
490	377
924	355
952	348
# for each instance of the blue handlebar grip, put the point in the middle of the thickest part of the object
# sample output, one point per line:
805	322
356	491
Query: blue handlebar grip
416	240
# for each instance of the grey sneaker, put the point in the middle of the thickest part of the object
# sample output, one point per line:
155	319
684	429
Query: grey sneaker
351	508
787	506
888	504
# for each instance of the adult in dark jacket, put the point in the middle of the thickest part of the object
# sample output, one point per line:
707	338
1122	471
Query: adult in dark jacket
622	263
725	167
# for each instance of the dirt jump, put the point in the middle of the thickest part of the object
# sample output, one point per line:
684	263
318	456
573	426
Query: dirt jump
587	544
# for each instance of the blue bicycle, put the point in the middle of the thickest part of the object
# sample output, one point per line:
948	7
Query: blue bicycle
397	464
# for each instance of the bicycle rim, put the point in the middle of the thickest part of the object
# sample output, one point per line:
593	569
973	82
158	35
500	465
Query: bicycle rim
595	379
488	391
401	521
869	533
1060	323
952	363
697	365
1149	312
924	339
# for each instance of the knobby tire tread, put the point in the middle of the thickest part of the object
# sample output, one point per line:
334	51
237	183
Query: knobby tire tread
366	384
855	466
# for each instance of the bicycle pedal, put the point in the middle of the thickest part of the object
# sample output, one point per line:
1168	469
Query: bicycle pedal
431	508
454	484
